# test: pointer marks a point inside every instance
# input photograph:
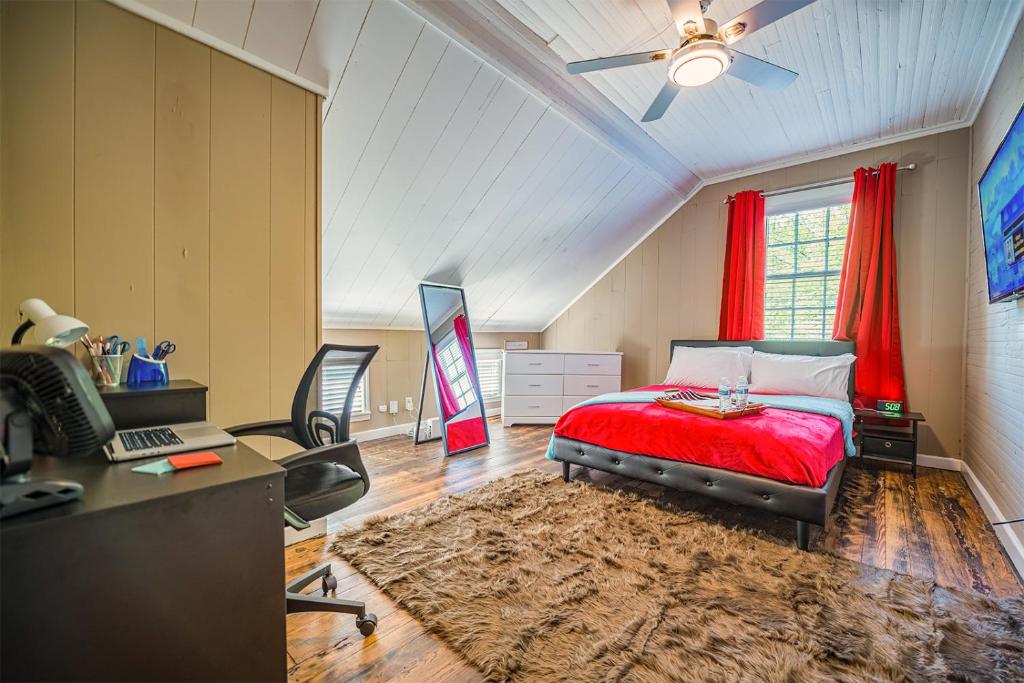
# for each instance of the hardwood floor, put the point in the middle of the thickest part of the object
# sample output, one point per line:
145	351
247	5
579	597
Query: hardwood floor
931	527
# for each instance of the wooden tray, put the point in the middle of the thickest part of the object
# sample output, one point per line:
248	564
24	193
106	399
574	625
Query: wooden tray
751	409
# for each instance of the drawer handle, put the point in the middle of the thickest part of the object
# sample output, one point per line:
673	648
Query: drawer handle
533	407
593	365
533	385
888	444
593	386
536	364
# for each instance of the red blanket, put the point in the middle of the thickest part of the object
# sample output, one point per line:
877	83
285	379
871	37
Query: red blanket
785	445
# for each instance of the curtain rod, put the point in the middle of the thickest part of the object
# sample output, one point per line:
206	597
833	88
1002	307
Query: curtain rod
822	183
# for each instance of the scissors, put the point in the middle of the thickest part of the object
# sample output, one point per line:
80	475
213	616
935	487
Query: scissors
113	346
163	349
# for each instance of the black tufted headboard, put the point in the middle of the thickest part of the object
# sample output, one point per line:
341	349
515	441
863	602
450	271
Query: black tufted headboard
796	348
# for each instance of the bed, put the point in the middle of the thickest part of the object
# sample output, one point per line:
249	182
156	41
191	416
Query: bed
808	502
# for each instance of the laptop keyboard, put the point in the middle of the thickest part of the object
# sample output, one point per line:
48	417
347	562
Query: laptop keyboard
140	439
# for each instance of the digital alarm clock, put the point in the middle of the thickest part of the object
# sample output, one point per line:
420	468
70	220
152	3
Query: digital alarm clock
889	406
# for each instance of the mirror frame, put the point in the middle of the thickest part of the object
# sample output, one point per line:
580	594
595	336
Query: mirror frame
430	363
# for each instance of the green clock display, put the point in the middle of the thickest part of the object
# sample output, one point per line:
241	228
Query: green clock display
889	406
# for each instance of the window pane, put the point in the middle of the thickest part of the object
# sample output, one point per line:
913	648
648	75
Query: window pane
778	324
811	225
836	248
803	284
810	258
808	324
778	294
782	228
780	260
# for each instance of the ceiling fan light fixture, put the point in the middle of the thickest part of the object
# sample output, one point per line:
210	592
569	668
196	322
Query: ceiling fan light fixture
699	63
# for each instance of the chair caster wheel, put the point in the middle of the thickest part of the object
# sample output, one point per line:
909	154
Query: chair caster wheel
367	624
328	583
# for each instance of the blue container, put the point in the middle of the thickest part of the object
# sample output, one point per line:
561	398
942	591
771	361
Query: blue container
144	370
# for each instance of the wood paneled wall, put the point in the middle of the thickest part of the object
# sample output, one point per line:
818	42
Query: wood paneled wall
669	287
993	406
155	187
397	369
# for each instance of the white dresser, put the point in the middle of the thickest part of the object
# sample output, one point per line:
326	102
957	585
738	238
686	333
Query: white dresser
538	386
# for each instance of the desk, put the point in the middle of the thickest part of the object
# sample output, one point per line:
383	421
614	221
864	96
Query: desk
177	577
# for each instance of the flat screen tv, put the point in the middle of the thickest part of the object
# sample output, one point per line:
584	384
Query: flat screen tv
1001	192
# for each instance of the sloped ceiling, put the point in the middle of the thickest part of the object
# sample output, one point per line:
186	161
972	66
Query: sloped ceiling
457	149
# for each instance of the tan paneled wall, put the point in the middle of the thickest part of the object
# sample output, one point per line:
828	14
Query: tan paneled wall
397	369
993	405
155	187
669	287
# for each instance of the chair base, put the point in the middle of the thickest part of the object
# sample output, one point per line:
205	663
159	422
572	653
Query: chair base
297	601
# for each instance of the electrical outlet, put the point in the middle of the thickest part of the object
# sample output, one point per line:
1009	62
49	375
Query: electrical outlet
408	403
382	408
393	407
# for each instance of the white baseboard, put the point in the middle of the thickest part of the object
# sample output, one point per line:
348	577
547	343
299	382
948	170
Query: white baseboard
393	430
940	462
316	528
1012	543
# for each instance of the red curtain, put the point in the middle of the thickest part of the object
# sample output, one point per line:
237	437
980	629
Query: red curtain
462	334
449	403
867	309
742	315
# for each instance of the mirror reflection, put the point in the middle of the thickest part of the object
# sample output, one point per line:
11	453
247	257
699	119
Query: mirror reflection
452	356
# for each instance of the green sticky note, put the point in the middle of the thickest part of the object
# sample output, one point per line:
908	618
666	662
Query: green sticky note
162	466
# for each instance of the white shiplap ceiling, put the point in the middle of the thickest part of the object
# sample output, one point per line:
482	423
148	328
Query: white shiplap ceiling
492	168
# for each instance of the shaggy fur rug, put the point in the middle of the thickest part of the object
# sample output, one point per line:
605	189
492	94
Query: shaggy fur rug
532	579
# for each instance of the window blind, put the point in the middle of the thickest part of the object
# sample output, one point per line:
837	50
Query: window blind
335	379
488	366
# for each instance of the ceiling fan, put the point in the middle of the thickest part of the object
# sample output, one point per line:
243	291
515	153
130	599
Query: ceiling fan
705	51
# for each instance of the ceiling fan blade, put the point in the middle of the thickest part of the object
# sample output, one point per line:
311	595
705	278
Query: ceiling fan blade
757	17
617	61
759	72
684	11
660	104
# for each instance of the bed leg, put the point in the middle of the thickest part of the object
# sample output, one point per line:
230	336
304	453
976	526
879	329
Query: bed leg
565	471
803	535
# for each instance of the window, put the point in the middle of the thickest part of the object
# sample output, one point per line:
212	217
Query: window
804	260
488	367
455	370
334	383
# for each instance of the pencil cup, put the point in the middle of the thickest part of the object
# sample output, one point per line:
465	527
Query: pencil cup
107	369
143	370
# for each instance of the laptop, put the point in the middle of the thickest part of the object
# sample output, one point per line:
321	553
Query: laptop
148	442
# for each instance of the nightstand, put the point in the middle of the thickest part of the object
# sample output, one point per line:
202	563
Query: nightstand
884	438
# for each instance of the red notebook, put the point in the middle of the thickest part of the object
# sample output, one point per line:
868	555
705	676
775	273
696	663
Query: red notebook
186	460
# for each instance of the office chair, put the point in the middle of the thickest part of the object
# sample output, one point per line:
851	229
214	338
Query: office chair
329	475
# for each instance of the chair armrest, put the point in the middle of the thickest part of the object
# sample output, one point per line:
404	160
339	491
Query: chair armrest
345	453
279	428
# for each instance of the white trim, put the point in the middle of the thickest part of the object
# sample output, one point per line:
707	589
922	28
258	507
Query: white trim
798	159
157	17
940	462
393	430
1012	543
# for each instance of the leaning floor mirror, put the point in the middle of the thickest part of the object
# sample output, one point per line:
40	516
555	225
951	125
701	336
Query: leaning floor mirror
451	354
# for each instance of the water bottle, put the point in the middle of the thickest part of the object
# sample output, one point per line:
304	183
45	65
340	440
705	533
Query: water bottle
724	398
742	392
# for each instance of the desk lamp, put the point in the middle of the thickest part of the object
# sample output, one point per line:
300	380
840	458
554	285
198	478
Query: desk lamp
51	329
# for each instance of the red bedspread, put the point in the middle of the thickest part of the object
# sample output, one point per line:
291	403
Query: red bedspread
785	445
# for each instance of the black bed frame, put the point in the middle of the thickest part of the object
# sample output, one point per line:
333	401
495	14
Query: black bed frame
805	504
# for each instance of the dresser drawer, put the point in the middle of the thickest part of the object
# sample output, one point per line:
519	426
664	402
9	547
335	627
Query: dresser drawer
591	385
534	363
532	406
894	448
572	401
593	364
533	385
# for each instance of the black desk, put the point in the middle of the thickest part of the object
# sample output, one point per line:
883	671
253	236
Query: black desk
177	577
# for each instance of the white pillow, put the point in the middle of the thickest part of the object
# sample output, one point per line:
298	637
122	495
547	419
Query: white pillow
705	367
825	376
